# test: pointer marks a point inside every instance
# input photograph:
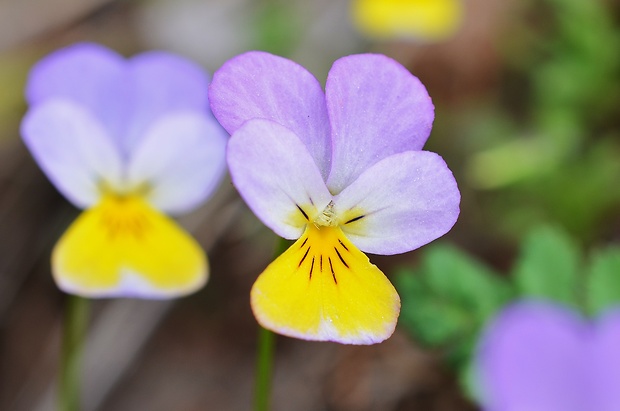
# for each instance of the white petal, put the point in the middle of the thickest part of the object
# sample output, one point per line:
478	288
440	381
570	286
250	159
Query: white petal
404	201
73	149
181	159
276	176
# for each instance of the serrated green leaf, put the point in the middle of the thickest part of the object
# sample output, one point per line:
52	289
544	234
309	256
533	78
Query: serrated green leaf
448	298
603	286
548	267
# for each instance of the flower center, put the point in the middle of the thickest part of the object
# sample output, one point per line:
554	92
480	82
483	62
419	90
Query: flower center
124	216
119	190
327	217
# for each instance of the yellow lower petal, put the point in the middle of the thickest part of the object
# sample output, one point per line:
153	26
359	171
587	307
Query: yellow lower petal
123	247
423	19
323	288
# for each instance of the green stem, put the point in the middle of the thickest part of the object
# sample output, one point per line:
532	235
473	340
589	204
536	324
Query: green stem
264	367
74	331
266	348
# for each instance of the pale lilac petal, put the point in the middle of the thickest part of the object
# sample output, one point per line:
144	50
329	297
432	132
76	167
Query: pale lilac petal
258	85
406	200
181	160
89	75
532	358
161	83
73	149
605	364
276	176
376	109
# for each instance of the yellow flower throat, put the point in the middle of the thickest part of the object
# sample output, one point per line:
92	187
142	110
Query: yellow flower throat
324	288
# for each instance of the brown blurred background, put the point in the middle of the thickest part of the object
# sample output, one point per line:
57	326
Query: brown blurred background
198	353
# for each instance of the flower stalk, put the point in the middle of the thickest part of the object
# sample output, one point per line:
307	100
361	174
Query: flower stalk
264	354
74	333
264	369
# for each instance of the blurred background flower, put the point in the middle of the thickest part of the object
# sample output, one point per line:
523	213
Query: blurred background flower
125	140
541	356
421	20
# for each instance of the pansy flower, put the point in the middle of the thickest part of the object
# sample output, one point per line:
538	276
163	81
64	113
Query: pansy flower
429	20
341	172
537	356
126	140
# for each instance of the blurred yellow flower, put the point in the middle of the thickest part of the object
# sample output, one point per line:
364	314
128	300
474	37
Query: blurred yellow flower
419	19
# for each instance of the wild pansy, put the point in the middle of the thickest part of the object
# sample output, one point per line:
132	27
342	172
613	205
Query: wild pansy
126	140
538	356
415	19
340	171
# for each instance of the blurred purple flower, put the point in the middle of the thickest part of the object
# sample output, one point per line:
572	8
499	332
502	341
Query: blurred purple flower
125	139
537	356
338	171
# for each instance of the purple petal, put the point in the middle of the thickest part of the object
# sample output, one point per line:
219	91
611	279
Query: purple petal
258	85
532	358
181	159
406	200
126	96
376	109
276	176
162	83
87	74
78	73
73	149
605	364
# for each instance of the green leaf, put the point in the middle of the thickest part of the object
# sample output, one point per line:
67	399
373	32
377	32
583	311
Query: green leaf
469	381
447	300
548	267
603	287
277	27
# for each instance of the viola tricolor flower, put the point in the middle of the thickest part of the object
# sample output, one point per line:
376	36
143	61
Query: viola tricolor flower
429	20
340	171
537	356
126	140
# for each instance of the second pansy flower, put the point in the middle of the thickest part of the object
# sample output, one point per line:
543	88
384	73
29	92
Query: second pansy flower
340	171
125	139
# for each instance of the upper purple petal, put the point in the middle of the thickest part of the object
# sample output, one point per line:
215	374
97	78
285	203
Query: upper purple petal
259	85
532	357
376	108
162	83
80	73
124	95
89	75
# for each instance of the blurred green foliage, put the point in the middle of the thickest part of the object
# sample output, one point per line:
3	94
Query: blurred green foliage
13	71
277	27
548	267
557	159
448	299
450	296
603	286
